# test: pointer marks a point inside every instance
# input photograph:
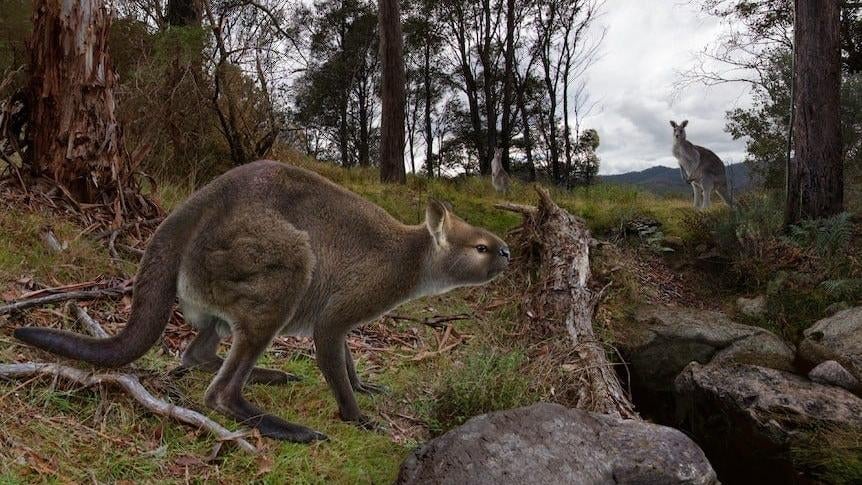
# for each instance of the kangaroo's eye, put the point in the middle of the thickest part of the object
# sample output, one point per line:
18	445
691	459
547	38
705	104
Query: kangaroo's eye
482	248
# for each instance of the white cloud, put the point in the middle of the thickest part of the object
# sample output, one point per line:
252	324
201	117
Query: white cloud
648	43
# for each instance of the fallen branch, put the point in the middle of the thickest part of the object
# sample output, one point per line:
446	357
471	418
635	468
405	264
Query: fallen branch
91	326
437	321
128	382
132	385
25	303
558	243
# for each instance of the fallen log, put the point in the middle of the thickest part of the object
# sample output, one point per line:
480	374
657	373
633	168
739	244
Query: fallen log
555	245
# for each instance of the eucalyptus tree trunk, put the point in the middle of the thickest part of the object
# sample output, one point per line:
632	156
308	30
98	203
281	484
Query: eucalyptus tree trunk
393	93
429	135
815	179
73	132
508	81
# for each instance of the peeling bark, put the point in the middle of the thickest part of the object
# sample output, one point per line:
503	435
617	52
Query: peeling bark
73	131
558	243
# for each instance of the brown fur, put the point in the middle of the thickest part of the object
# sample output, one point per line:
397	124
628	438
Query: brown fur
268	248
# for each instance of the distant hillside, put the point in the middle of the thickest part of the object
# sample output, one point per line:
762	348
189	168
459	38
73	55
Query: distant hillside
664	180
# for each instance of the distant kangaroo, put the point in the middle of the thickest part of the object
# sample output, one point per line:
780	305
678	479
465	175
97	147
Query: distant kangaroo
499	177
269	249
700	167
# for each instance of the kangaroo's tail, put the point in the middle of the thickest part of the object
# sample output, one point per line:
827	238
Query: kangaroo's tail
153	298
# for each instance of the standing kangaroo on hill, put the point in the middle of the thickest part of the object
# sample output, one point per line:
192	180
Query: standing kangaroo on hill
499	177
269	249
700	167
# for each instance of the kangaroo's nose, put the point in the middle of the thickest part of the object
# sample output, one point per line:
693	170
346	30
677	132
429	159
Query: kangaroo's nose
504	252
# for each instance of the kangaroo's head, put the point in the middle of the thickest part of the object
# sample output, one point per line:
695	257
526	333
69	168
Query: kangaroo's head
679	130
462	255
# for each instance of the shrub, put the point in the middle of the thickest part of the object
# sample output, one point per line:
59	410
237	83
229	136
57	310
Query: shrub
487	381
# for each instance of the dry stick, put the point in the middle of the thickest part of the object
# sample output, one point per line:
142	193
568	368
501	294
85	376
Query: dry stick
134	388
23	304
130	383
91	326
562	243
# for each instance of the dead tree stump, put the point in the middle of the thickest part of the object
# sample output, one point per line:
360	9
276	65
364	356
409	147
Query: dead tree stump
555	245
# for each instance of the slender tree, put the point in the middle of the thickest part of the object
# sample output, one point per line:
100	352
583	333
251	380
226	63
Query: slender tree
393	93
815	180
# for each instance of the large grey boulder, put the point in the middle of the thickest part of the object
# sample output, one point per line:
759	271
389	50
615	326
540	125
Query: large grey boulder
550	444
837	338
663	340
777	405
749	418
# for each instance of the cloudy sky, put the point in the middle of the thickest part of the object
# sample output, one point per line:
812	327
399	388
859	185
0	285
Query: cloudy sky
648	43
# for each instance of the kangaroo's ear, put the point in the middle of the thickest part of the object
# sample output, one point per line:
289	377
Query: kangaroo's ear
684	123
436	215
673	123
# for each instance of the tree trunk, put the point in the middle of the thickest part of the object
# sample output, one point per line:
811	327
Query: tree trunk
393	93
183	12
429	134
815	182
362	102
488	86
73	131
528	139
555	245
470	88
508	81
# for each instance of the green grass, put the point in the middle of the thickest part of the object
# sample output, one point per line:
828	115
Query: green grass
488	380
834	456
50	433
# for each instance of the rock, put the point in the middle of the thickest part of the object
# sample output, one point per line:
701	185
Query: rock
748	418
548	443
752	307
837	338
834	374
664	340
836	307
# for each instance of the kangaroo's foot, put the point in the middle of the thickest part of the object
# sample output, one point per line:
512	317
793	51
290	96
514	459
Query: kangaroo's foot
225	392
366	387
244	412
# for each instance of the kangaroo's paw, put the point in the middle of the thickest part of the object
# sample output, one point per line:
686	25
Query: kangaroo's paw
279	429
369	388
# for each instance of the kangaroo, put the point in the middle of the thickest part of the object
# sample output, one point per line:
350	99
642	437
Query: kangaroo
700	167
268	249
499	177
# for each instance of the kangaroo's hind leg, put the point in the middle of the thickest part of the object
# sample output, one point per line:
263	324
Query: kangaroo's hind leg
706	189
201	353
255	271
698	194
225	392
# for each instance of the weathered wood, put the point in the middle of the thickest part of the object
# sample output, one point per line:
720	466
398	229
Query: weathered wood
560	245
